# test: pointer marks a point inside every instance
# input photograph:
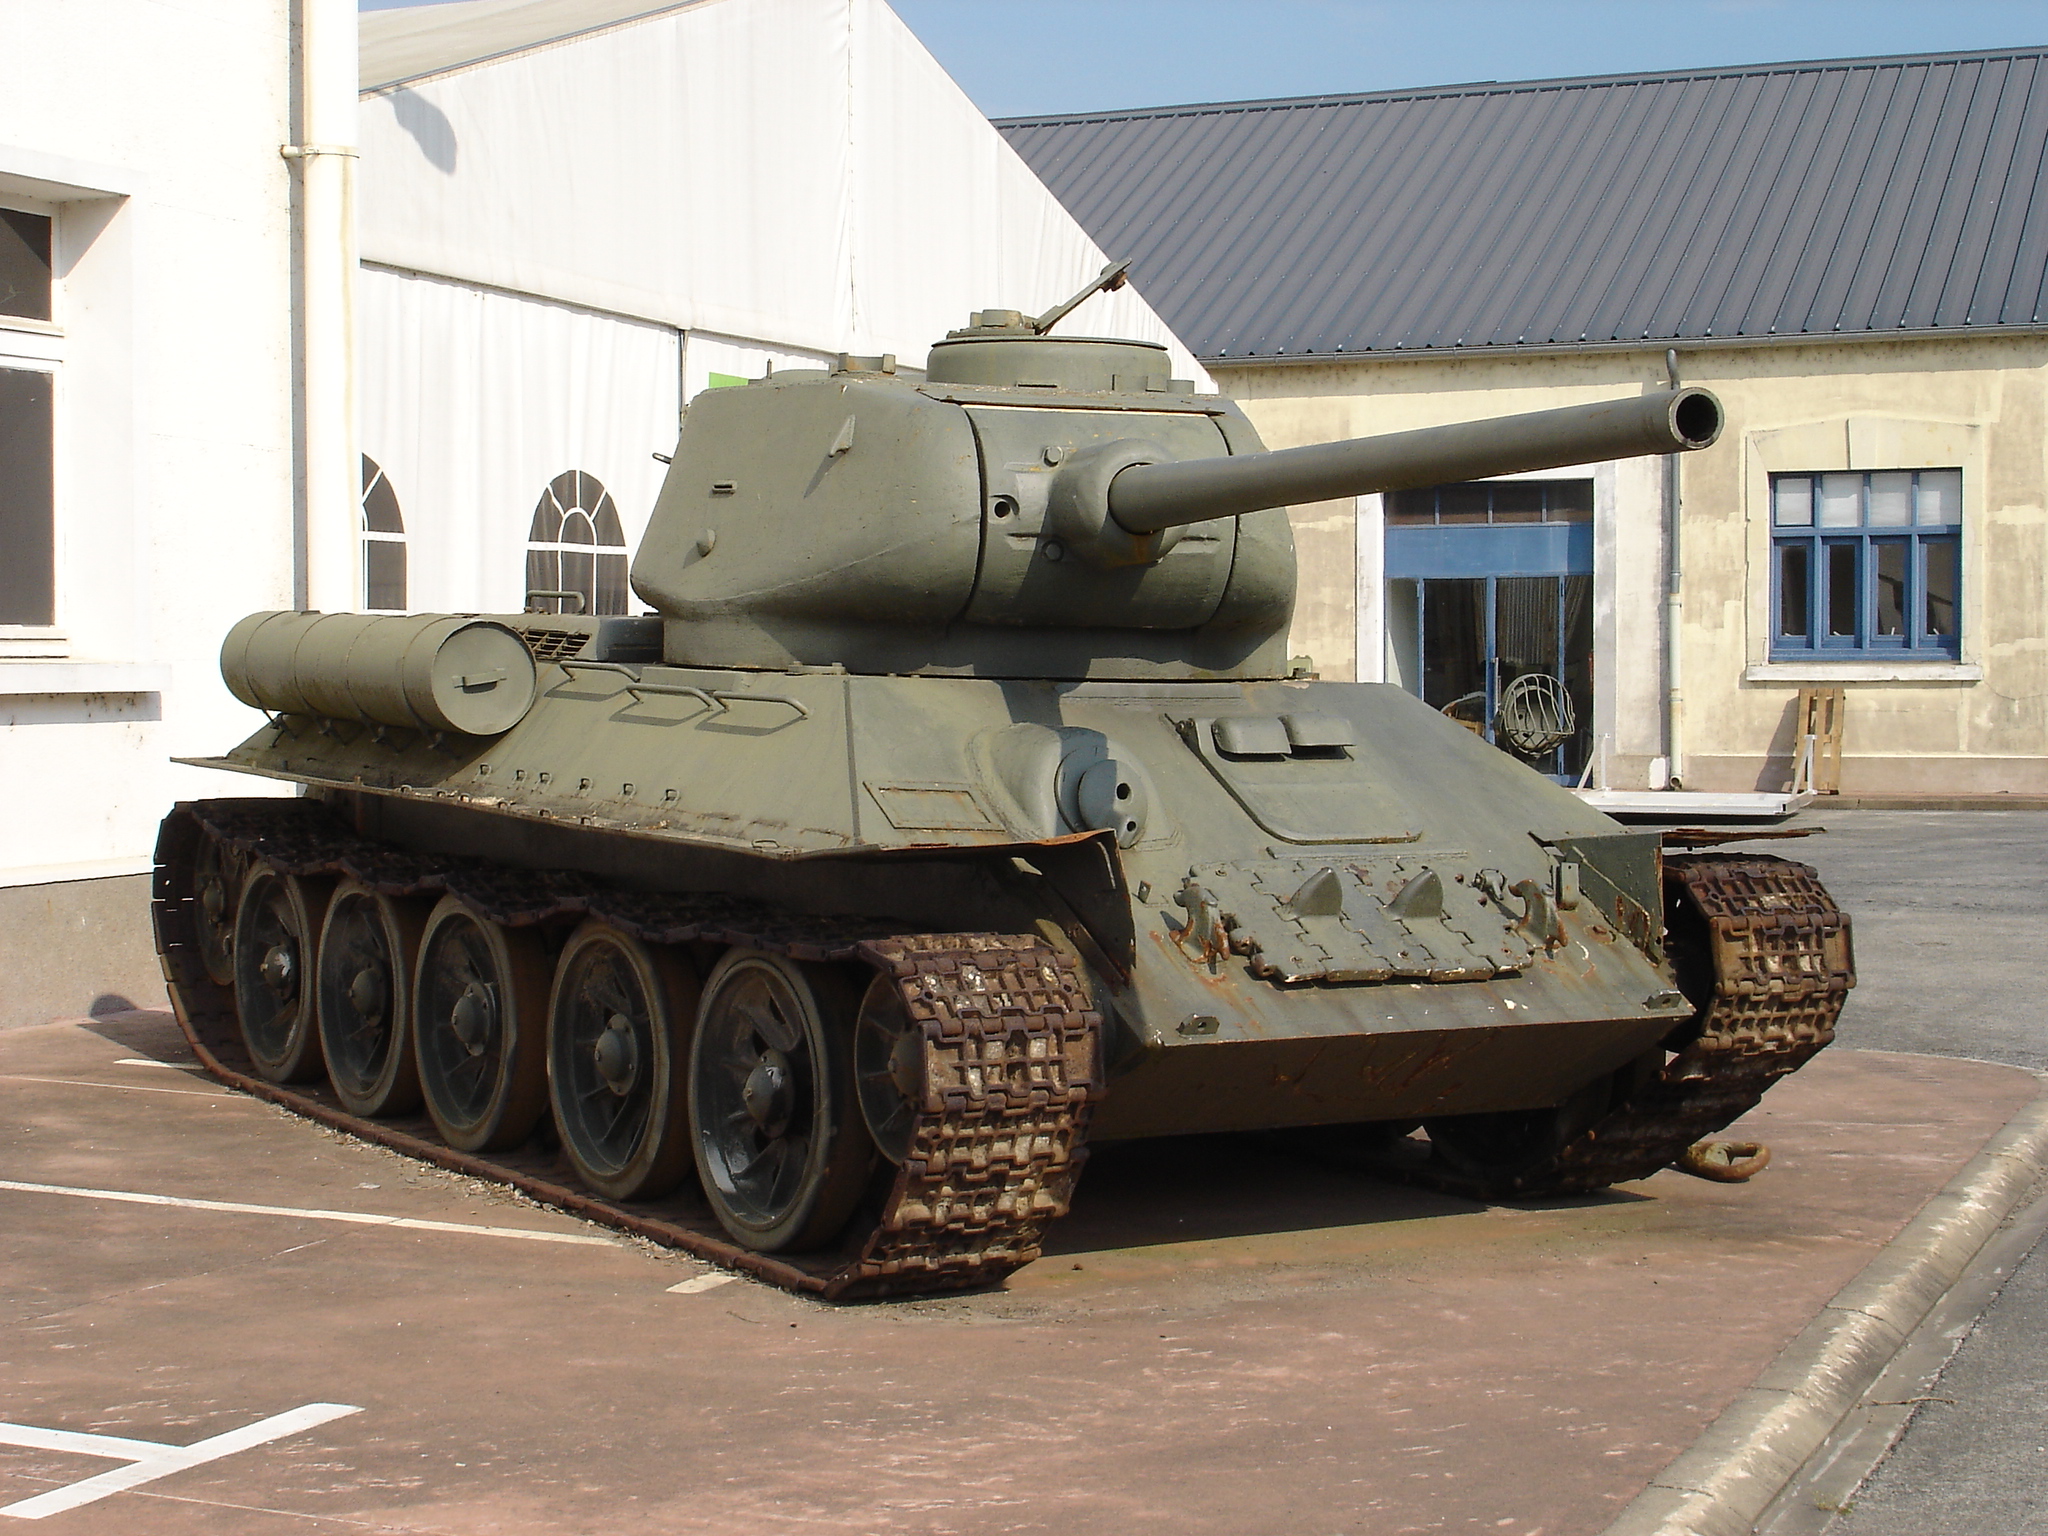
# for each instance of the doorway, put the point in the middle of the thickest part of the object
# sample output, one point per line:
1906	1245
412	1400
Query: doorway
1489	612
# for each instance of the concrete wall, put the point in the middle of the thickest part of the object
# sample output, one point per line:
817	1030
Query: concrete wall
151	134
1911	726
76	947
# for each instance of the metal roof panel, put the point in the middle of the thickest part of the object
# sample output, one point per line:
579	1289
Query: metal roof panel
1830	197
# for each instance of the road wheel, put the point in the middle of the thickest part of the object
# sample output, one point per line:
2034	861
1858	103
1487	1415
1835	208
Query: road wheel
368	947
780	1144
276	918
618	1051
218	871
479	1032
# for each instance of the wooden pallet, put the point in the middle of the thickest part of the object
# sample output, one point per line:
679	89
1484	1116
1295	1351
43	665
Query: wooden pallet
1818	763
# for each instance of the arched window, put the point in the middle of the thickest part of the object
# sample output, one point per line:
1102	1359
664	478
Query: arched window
575	550
383	543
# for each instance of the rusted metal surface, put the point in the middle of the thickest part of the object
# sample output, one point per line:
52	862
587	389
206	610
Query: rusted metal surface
1764	956
1767	955
1724	1162
1425	917
1010	1064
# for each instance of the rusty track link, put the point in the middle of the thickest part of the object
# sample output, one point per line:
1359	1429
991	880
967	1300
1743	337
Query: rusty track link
1011	1064
1776	967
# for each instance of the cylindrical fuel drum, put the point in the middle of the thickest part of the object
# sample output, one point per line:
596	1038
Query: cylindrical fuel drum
427	671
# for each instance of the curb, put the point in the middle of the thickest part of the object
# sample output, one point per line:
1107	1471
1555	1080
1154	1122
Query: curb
1722	1484
1994	801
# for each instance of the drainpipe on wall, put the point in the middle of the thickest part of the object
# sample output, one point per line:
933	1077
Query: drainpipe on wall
1674	609
323	161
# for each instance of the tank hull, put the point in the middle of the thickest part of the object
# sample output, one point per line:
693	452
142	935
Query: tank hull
1003	1040
937	803
1279	1055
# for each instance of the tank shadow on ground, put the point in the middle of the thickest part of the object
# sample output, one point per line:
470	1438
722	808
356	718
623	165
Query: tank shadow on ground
151	1032
1140	1194
1196	1188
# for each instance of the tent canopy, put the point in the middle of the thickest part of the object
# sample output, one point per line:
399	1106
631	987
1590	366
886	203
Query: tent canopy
796	172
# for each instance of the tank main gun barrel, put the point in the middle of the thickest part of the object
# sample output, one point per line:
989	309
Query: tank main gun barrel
1149	498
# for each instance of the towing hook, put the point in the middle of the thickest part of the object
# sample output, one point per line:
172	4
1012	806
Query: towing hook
1724	1162
1205	928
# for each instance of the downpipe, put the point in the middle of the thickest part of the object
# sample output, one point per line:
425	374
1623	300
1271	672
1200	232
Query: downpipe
1674	610
323	168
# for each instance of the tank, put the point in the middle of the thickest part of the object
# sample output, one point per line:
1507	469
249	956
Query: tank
956	807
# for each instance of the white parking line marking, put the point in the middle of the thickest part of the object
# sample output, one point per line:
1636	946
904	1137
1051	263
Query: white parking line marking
73	1082
76	1443
696	1283
358	1218
151	1061
148	1459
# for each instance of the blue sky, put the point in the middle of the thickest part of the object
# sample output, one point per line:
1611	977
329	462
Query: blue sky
1024	57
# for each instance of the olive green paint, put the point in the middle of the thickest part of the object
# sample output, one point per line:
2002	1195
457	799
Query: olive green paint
908	662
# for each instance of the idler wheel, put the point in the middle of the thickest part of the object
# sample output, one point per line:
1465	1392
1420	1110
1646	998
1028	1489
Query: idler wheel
479	1033
888	1057
369	945
276	918
218	871
780	1144
618	1051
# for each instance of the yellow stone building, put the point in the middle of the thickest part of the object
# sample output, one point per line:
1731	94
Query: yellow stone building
1851	255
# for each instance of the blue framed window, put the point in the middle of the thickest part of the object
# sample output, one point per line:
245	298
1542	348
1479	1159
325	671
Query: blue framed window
1492	502
1487	582
1491	528
1866	563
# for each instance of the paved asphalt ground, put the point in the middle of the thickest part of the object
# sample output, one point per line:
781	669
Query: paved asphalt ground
1223	1340
1217	1344
1949	909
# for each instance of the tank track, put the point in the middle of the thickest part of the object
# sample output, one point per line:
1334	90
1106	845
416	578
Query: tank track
1012	1052
1777	967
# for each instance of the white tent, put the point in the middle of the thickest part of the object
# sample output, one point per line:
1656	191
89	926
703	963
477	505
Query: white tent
575	214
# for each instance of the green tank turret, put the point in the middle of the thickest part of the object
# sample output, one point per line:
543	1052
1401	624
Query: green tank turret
955	807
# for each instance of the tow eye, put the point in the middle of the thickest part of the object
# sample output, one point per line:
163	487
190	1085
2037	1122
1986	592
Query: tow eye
1539	915
1724	1162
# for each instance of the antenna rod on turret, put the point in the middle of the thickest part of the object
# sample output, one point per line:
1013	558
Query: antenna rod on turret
1111	278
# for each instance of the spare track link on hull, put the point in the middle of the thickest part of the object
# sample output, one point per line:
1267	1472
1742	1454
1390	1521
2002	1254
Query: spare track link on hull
1781	965
1012	1050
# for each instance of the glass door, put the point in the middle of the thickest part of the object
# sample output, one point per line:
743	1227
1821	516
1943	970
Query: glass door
1494	653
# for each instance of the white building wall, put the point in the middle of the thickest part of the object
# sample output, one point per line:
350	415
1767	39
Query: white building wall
151	133
710	359
564	246
797	174
474	400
